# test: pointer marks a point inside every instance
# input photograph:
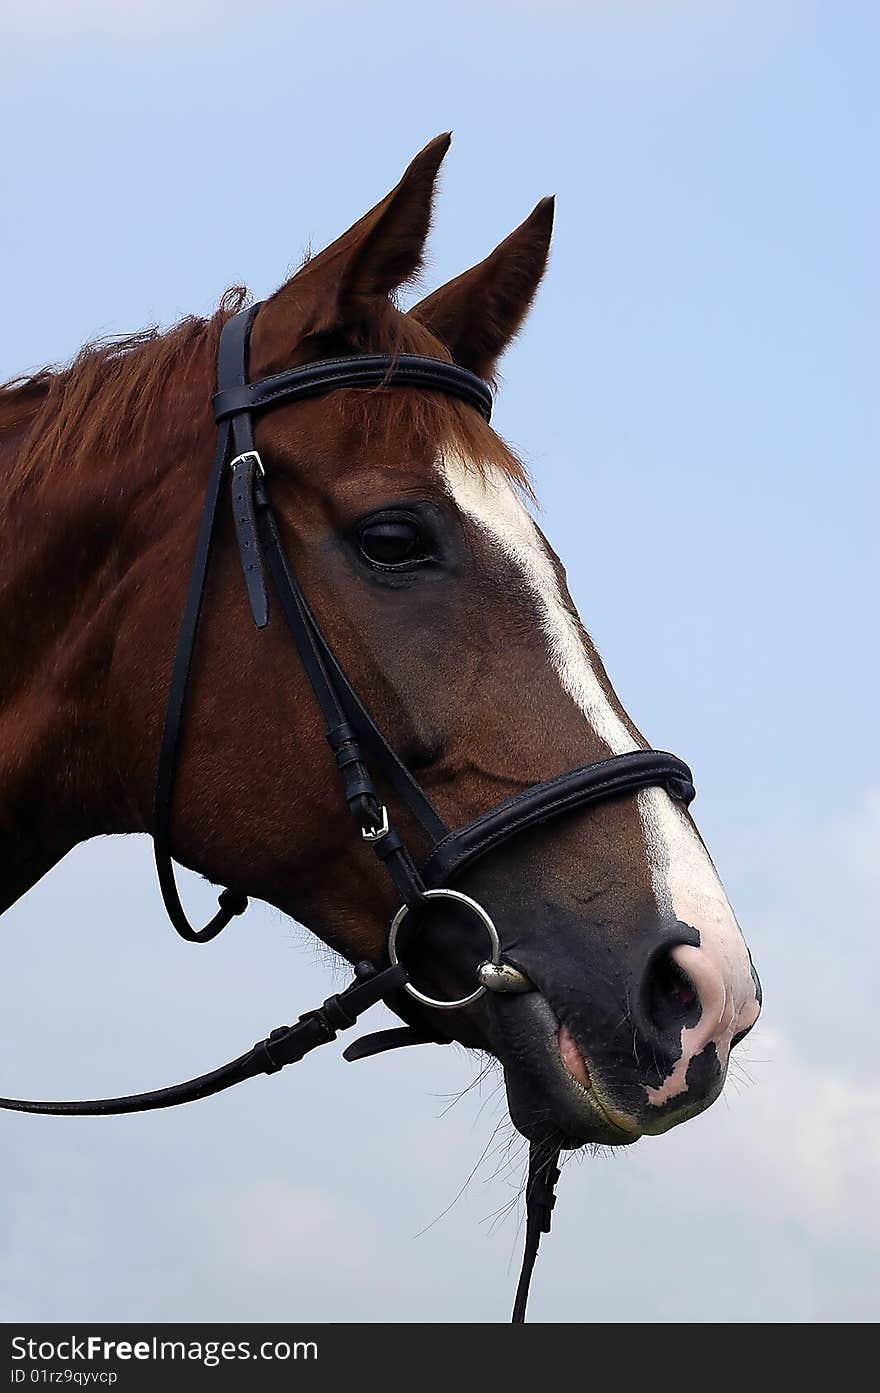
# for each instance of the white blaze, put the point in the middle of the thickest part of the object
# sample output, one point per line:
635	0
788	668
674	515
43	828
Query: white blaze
684	880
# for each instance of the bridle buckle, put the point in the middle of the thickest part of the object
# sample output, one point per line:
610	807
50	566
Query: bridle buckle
375	834
248	455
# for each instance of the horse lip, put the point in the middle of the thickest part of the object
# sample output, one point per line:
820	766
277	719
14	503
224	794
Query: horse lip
594	1090
540	1086
597	1096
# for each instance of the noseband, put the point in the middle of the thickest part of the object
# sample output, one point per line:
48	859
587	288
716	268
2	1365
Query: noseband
362	755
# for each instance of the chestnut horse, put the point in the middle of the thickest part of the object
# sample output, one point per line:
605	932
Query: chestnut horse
406	517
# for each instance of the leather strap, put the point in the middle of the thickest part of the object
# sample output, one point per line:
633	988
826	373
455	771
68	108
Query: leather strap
541	1182
286	1045
246	470
232	351
381	1041
367	809
259	541
578	788
230	903
392	769
362	370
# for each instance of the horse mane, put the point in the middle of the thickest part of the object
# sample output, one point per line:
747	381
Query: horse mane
107	398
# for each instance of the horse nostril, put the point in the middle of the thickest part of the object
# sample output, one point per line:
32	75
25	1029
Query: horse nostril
670	999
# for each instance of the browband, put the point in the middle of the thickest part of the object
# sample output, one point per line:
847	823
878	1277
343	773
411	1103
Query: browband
366	370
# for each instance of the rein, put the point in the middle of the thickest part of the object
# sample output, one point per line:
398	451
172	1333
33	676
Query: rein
360	749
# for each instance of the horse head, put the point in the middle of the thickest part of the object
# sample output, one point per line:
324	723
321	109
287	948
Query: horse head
407	521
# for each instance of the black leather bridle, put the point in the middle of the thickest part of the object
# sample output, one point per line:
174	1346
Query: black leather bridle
361	752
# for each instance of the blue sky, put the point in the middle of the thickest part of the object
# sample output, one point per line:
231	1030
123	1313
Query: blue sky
695	394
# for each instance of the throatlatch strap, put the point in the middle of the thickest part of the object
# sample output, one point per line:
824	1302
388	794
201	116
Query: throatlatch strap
230	902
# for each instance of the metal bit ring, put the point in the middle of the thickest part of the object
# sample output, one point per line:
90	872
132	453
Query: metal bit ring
494	943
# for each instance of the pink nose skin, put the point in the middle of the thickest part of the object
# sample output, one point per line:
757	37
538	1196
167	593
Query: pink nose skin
728	1004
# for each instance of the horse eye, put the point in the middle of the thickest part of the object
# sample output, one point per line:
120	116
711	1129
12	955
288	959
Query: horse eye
391	542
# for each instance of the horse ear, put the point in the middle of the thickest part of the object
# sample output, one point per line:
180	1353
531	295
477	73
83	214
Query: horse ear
477	314
381	251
